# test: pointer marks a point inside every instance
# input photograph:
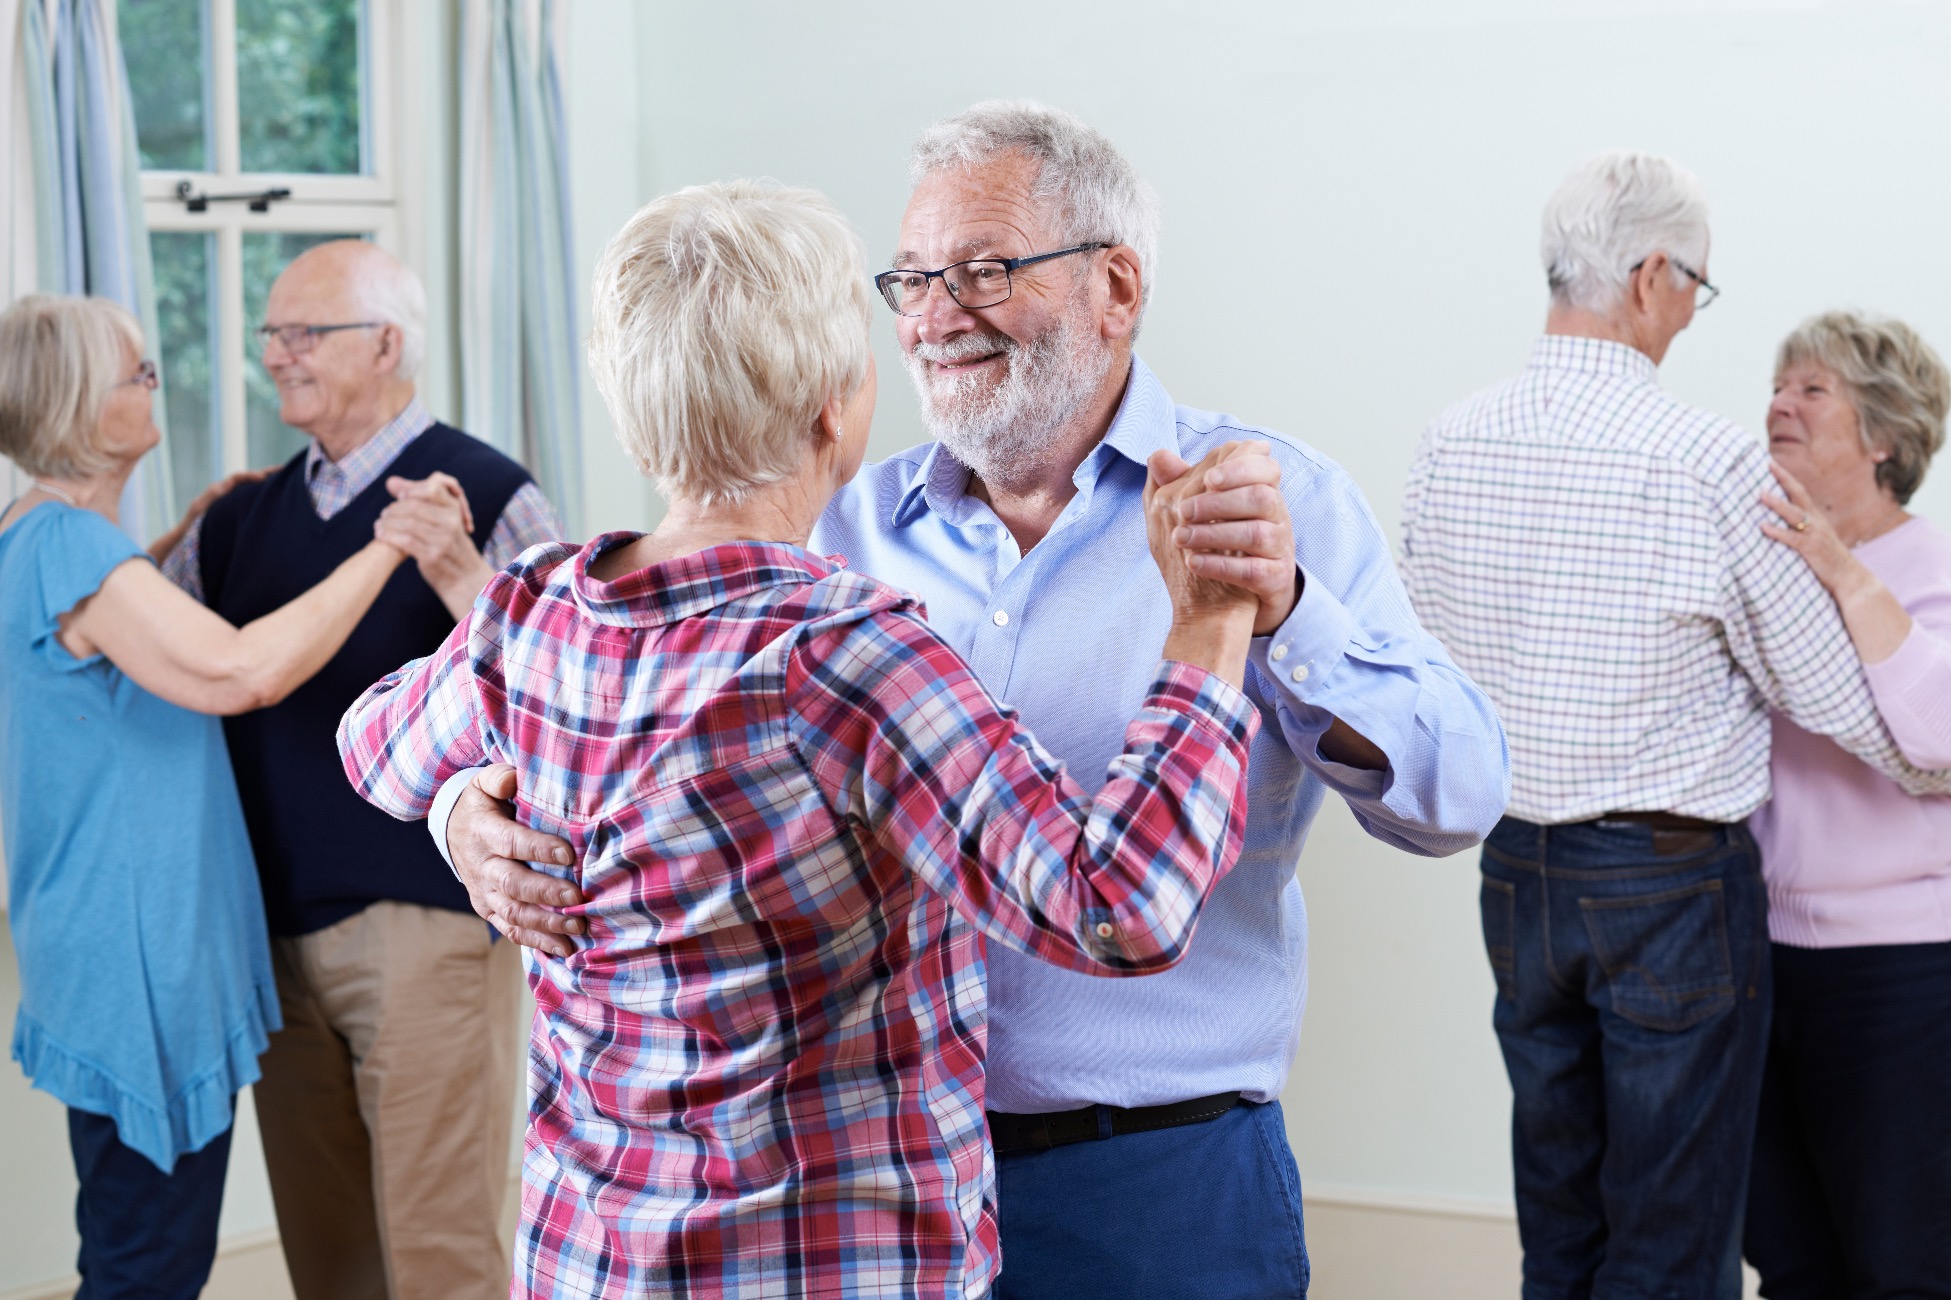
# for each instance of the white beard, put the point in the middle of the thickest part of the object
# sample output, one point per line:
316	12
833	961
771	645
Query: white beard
1008	431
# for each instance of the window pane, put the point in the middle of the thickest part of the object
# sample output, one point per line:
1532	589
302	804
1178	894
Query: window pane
265	255
184	292
298	85
166	45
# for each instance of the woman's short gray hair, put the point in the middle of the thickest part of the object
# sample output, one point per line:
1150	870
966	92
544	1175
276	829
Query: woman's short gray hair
1613	212
1098	195
725	316
1897	384
59	358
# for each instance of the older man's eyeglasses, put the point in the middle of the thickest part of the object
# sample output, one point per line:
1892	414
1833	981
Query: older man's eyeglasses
300	339
146	375
1704	293
983	282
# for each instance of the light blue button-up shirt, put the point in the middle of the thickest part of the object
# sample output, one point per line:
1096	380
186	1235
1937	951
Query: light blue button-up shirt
1069	635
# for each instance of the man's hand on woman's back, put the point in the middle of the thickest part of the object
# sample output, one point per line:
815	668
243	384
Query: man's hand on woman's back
491	852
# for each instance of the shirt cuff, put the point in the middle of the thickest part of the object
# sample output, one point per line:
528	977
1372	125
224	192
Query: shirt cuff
450	794
1205	696
1910	692
1309	643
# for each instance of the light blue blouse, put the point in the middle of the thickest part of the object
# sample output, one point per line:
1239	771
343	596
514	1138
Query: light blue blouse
145	972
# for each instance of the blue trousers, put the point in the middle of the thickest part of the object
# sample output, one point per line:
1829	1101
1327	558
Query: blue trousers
1851	1196
1633	992
1207	1210
145	1234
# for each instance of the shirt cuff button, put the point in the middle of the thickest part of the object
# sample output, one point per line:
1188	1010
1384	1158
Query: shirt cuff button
1299	674
1105	930
1278	653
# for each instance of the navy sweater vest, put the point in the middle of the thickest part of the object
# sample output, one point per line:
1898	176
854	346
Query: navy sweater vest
323	852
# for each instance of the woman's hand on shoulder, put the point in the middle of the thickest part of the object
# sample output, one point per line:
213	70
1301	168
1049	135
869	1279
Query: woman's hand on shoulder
1806	530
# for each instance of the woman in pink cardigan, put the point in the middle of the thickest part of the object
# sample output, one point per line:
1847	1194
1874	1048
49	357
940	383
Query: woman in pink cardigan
1851	1190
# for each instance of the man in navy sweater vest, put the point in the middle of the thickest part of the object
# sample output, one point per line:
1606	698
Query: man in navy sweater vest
387	1101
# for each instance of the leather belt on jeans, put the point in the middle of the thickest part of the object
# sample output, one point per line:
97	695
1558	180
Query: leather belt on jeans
1009	1133
1661	821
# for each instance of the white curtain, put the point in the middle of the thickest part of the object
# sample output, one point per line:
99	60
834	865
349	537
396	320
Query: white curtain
74	203
519	358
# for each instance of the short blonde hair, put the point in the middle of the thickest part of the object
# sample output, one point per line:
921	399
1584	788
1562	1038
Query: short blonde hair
59	357
1898	385
724	317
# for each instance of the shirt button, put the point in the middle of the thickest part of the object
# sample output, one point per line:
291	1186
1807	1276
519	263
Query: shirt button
1279	653
1000	618
1105	930
1299	674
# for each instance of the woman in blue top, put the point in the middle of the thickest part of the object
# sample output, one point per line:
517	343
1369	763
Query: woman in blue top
145	973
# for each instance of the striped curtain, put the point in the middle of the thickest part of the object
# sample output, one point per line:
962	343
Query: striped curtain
519	359
75	189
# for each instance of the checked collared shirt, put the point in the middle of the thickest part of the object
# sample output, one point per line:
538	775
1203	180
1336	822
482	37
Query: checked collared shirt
527	519
1589	549
798	815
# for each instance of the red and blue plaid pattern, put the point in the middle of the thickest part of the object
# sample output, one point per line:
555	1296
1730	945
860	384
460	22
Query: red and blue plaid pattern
797	813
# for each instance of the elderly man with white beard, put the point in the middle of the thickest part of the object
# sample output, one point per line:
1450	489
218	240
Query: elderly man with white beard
1140	1150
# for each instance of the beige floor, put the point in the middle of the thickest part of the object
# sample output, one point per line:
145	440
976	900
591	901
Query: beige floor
1364	1248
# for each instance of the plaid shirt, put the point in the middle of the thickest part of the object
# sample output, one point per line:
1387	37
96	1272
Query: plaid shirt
526	520
1590	551
796	812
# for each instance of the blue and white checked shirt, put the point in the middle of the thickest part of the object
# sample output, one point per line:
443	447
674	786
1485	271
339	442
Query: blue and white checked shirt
1069	636
526	520
1591	550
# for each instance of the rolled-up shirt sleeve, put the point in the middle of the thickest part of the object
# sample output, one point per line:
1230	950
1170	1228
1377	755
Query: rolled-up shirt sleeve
1354	649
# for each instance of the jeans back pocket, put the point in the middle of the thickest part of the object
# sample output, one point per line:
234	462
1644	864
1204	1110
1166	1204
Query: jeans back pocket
1665	955
1498	900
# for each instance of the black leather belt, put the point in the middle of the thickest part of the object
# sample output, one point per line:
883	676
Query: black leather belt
1663	821
1011	1133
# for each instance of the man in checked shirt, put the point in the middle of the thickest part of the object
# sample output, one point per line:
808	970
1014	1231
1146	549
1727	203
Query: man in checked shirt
1140	1150
385	1098
1590	550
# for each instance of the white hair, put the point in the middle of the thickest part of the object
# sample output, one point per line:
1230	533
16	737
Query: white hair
386	289
1097	194
1615	211
724	317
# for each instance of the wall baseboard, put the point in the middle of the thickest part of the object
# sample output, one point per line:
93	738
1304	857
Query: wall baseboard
250	1266
1365	1244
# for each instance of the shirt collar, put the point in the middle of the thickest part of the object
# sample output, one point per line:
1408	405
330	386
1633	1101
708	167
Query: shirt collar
1593	356
691	584
1145	422
363	463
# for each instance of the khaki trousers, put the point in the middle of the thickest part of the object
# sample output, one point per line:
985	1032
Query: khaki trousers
387	1105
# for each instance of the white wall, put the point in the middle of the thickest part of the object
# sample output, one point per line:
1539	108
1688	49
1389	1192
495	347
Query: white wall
1351	195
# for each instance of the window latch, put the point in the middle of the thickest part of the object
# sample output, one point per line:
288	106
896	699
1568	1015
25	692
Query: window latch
260	201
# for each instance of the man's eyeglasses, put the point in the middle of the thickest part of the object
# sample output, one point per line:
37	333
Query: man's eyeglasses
300	339
983	282
1700	282
146	375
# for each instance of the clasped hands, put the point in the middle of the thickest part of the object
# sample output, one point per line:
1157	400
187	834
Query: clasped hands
1225	515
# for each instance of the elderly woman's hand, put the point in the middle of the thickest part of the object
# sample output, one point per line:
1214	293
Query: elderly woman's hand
1877	621
162	546
1236	529
1212	621
1807	530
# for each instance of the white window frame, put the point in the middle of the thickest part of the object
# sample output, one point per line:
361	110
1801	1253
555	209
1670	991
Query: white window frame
368	204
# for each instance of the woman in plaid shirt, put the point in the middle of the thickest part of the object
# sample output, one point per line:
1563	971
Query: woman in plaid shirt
797	813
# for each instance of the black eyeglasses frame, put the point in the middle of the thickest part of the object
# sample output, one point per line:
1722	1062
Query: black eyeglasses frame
265	333
884	281
1713	291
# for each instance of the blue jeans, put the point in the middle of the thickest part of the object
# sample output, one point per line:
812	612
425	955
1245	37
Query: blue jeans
1633	993
1852	1170
145	1234
1209	1210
